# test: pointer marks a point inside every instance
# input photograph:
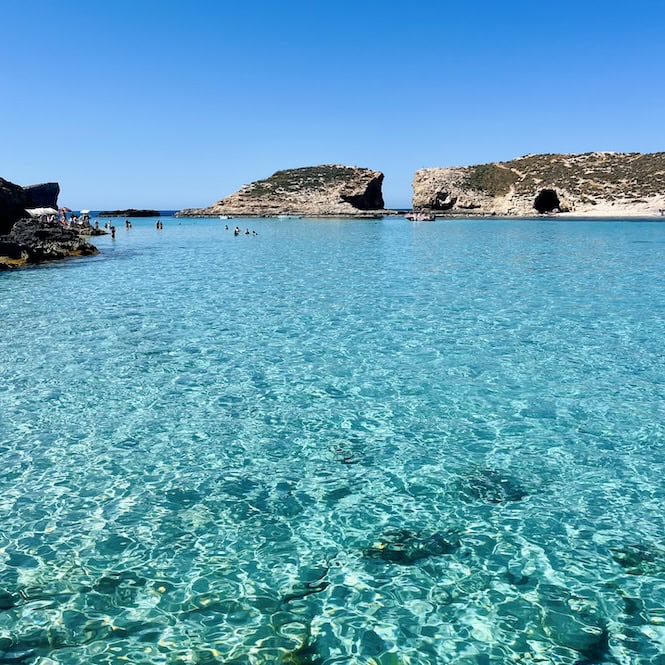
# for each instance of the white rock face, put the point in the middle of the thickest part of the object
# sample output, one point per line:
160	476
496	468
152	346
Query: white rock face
599	184
314	191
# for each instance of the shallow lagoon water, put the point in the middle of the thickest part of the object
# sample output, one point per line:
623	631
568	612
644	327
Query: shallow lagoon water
337	442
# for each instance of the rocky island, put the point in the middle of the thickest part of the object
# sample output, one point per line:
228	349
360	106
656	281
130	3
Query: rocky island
595	184
129	212
313	191
26	241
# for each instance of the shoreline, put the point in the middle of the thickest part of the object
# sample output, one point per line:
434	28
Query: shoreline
568	216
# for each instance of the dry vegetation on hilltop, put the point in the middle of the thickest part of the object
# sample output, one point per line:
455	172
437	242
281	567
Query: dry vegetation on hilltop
633	183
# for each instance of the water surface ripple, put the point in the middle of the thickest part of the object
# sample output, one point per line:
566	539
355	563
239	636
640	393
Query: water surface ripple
337	442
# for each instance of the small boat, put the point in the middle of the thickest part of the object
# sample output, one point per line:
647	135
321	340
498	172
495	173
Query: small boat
289	216
224	217
420	217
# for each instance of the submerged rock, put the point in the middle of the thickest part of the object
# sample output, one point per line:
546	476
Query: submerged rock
7	599
406	548
18	656
312	582
111	581
114	544
312	191
306	653
640	559
490	486
306	590
591	642
178	498
575	623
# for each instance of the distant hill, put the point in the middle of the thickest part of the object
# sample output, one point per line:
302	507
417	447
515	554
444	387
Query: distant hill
129	212
595	183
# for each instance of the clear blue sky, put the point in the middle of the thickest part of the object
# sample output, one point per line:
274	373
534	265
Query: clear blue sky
169	104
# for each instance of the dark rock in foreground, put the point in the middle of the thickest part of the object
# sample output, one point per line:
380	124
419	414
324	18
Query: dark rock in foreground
13	203
14	200
43	196
312	191
130	212
28	241
32	241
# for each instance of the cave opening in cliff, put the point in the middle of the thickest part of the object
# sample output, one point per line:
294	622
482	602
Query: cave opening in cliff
547	201
370	199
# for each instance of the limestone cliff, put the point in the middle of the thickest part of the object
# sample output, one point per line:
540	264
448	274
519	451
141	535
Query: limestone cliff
311	191
595	184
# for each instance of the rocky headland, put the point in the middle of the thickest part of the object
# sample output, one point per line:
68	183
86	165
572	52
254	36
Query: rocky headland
25	241
596	184
313	191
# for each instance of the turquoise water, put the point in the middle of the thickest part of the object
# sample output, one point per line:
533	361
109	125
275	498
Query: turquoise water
337	442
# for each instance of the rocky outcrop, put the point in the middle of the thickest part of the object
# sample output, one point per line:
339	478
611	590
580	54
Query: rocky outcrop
32	241
594	184
14	200
43	196
314	191
28	241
